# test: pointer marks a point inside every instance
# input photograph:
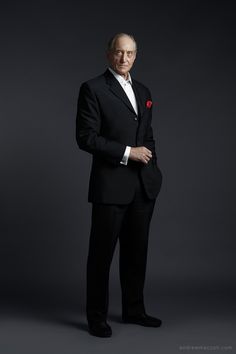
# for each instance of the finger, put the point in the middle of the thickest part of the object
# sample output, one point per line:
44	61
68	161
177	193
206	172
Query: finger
143	158
148	151
146	159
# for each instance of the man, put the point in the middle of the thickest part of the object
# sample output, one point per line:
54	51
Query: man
114	125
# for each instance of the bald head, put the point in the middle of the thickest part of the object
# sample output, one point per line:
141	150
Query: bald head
112	42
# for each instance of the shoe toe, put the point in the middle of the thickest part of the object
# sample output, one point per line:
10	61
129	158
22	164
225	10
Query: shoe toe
143	320
100	329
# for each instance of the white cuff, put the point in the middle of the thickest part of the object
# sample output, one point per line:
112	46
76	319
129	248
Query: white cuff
125	157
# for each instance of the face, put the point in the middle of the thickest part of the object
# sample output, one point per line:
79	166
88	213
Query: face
122	56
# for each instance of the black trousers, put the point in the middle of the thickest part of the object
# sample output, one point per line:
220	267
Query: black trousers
130	224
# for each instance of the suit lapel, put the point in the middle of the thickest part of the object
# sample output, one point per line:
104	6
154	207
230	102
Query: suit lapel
117	90
138	95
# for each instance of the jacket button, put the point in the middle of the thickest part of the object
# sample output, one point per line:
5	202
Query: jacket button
135	118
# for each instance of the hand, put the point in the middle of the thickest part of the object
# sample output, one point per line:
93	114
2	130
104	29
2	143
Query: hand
140	154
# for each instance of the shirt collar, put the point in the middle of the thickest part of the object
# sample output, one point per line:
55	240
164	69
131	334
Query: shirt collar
120	78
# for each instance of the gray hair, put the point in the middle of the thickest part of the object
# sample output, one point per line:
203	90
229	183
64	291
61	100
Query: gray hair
113	39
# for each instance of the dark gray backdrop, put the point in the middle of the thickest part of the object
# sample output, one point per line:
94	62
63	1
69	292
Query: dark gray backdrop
186	56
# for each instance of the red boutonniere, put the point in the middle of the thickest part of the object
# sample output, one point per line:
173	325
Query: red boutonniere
148	104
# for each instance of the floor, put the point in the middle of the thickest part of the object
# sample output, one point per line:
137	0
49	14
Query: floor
190	324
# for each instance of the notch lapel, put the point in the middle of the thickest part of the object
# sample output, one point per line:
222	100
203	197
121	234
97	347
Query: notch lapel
117	90
139	99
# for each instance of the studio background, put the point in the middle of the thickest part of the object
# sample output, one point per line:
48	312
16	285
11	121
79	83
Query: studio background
186	56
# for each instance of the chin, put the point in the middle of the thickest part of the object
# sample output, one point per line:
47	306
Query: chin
123	72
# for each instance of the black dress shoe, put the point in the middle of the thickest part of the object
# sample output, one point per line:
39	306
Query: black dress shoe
100	329
142	319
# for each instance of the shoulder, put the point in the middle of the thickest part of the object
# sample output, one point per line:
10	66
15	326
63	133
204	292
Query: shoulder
94	83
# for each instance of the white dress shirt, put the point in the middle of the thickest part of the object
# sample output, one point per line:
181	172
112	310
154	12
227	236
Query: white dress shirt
127	87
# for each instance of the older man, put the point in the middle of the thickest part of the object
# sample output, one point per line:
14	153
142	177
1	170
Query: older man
114	125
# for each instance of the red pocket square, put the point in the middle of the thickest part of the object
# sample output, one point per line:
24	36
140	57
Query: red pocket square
148	104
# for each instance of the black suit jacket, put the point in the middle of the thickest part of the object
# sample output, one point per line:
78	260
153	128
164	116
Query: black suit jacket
105	124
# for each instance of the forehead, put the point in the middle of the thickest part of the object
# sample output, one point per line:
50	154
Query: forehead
125	43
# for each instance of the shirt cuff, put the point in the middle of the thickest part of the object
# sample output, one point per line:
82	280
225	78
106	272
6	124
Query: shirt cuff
125	157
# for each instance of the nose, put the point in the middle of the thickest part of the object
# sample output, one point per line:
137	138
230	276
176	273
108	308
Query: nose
124	57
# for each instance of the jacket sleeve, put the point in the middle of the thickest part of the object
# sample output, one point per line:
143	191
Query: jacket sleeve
88	125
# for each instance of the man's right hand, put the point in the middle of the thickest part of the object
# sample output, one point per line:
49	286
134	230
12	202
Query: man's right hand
140	154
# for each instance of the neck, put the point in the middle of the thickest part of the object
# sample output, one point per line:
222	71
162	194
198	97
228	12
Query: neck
125	76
